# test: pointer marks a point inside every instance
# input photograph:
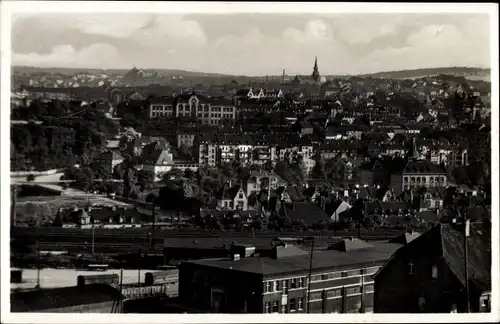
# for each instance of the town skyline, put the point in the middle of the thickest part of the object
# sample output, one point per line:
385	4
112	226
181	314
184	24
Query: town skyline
224	44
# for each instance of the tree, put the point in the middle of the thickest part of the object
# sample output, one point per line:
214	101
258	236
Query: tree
171	196
318	171
129	181
188	173
145	180
151	197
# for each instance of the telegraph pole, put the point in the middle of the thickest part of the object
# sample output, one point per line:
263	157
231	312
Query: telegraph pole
121	290
93	237
153	229
37	264
466	236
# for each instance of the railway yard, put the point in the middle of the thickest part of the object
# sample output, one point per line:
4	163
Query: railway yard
121	241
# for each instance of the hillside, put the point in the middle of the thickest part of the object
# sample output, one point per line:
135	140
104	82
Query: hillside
73	71
467	72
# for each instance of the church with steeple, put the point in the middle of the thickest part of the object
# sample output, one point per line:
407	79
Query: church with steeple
314	79
315	75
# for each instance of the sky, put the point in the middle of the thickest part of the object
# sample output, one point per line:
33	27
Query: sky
251	44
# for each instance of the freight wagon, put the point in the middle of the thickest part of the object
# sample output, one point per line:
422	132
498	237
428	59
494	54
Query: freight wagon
161	277
110	279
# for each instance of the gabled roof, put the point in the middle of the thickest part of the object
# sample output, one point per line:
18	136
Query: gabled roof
447	241
423	167
309	213
350	244
230	192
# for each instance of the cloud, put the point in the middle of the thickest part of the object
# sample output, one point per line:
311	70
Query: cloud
366	28
434	46
121	26
346	44
94	56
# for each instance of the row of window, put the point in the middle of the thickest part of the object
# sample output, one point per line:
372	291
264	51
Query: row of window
337	292
162	108
214	115
159	114
424	179
343	274
284	285
295	304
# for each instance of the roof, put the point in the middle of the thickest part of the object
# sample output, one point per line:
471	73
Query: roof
322	259
423	167
309	213
447	241
230	192
351	244
405	238
479	252
47	299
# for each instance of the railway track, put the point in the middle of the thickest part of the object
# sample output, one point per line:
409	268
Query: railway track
145	233
133	240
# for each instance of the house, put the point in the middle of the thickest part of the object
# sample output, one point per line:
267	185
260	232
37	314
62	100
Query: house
262	181
434	282
109	159
232	197
246	283
342	207
422	173
99	217
210	111
185	138
161	107
159	161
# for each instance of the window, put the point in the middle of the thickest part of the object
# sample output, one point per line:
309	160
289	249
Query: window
285	286
442	179
334	293
405	179
353	290
434	272
353	273
300	303
369	288
293	283
411	268
240	196
267	307
293	305
316	295
267	287
344	274
301	282
276	307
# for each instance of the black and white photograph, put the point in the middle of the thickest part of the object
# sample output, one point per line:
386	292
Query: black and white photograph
249	158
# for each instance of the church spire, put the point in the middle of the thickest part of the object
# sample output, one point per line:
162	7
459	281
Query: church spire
315	75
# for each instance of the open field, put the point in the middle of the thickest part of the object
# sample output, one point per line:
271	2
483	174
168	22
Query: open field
46	207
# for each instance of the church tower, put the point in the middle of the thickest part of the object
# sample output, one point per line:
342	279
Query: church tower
315	75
